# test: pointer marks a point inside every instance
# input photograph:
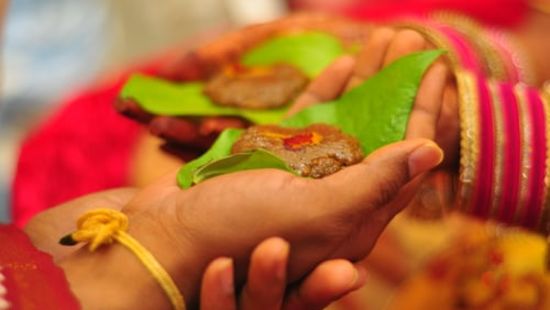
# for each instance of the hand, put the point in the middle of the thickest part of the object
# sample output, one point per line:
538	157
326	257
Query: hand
184	132
266	286
339	216
434	116
266	282
435	112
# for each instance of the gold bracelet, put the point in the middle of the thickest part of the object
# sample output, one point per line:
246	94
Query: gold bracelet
469	139
484	39
105	226
475	33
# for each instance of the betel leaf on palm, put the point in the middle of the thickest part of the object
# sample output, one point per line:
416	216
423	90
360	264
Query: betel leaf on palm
161	97
220	148
259	159
375	112
309	51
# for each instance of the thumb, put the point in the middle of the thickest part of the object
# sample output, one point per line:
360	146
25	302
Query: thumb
379	178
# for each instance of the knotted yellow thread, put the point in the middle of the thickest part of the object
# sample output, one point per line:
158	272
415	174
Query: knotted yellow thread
105	226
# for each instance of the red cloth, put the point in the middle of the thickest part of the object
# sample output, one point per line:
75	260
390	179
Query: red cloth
86	146
495	12
32	280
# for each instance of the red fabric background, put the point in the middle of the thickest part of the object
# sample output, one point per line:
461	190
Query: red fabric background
32	282
84	147
496	12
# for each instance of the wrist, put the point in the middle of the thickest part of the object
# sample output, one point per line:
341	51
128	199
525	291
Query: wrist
111	278
114	277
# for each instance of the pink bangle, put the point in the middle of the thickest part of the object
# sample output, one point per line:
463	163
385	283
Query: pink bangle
511	154
482	194
533	210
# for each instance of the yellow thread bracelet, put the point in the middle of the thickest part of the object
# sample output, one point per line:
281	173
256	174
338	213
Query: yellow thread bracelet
105	226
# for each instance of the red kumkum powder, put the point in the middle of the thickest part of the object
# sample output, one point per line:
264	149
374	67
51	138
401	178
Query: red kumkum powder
299	141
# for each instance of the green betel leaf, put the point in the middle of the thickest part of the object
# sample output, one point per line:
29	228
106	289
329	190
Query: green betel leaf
375	112
220	148
309	51
258	159
161	97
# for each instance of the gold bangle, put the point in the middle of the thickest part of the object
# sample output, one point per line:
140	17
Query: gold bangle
494	61
472	30
498	119
105	226
469	139
433	37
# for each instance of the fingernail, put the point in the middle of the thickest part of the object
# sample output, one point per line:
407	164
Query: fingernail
424	158
226	264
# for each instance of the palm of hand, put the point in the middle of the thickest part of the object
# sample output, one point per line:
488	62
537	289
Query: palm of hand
339	216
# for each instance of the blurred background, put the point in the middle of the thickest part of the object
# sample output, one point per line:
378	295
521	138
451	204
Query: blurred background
52	48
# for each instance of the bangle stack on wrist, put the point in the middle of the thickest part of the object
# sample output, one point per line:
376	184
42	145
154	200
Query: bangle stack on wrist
505	124
504	156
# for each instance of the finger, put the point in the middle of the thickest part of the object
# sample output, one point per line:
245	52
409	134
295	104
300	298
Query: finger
377	180
405	42
131	109
327	86
187	132
215	125
217	288
265	288
174	129
190	67
388	259
371	58
424	116
329	282
182	151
